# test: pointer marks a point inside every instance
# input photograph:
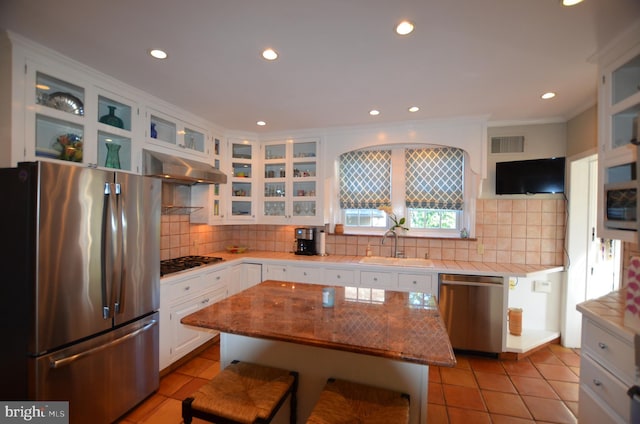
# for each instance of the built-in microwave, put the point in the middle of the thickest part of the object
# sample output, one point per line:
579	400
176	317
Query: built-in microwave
621	197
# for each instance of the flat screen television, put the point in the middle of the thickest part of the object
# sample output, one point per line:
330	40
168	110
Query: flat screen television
530	176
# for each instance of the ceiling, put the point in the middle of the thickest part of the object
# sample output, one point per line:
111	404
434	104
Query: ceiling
338	58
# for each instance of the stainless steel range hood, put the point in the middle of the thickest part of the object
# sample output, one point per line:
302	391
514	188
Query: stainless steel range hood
179	170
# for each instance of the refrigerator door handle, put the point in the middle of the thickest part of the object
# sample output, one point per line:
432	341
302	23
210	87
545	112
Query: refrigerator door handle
59	363
109	228
119	251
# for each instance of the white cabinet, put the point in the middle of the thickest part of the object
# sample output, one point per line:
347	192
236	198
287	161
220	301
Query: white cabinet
241	183
291	188
172	132
69	118
607	370
618	127
277	272
243	276
418	282
181	296
378	280
341	277
209	197
306	274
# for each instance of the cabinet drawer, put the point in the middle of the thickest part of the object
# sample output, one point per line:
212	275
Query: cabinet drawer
276	272
339	276
378	280
591	410
612	352
188	287
306	275
605	386
416	283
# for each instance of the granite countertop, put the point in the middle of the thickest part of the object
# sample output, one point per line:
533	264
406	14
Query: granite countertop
608	310
439	266
395	325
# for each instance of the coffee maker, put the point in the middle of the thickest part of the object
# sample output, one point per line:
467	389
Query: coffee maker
305	241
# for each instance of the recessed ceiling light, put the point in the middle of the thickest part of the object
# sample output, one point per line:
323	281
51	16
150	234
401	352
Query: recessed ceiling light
261	123
414	109
548	95
404	28
570	2
158	54
270	54
374	112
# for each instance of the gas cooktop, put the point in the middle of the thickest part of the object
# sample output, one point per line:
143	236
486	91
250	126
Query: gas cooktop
182	263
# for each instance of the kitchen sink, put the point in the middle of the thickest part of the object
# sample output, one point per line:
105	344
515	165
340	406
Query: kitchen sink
383	260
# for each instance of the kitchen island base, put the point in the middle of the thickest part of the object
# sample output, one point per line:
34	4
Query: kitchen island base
315	365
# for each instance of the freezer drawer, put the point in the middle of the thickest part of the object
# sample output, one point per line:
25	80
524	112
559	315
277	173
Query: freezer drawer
104	377
473	312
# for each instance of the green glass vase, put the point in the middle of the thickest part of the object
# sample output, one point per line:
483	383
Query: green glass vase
113	156
111	118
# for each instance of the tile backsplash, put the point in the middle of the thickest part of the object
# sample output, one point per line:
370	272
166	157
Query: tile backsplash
523	231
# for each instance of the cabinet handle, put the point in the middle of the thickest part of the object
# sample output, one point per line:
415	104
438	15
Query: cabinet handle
602	345
415	282
375	278
187	288
218	278
597	382
305	273
339	276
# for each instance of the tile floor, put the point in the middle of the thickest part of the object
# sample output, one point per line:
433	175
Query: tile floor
542	388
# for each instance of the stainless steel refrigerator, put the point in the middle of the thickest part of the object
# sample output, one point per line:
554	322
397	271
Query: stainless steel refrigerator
80	287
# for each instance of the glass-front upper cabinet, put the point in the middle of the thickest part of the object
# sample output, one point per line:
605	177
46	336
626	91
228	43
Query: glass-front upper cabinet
59	118
170	132
209	196
76	122
114	136
290	192
242	181
621	84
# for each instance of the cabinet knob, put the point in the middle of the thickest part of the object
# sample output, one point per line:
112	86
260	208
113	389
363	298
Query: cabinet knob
597	382
339	276
415	282
375	278
187	288
602	345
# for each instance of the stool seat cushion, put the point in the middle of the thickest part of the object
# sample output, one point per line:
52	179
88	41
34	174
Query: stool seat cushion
243	392
344	402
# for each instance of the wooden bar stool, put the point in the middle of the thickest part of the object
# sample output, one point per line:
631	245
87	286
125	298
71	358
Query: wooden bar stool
346	402
243	393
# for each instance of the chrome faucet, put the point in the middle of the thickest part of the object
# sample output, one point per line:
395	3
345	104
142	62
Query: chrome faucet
395	242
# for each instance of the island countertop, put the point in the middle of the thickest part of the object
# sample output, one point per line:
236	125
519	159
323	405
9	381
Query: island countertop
394	325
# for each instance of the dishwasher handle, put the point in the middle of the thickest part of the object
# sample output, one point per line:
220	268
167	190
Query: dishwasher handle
469	283
461	279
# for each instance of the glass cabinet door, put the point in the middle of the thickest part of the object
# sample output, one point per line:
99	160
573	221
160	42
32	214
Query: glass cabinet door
59	119
290	181
242	183
625	101
114	120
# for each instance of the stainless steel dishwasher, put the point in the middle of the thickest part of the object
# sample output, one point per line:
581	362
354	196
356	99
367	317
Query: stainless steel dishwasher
473	312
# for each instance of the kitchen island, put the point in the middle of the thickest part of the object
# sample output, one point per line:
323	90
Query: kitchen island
372	336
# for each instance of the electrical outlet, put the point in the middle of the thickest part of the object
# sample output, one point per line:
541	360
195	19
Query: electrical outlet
542	286
480	249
